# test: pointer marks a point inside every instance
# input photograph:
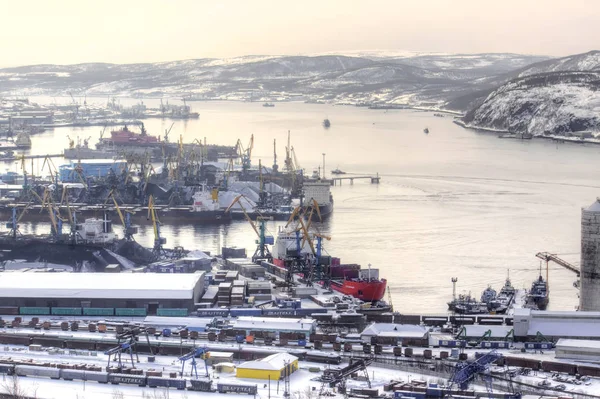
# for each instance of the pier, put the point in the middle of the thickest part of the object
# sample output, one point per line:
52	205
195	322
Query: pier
335	181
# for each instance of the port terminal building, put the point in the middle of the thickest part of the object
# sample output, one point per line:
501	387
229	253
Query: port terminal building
273	367
578	349
530	324
147	292
279	325
394	334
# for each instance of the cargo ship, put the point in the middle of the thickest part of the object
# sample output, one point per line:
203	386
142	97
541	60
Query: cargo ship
538	295
319	191
347	279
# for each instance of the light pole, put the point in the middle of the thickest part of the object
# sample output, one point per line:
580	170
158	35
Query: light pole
323	166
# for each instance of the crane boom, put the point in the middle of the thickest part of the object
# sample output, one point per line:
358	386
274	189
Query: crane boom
546	256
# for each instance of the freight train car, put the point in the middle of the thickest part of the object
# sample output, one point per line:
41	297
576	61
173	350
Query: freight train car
83	375
236	388
323	357
8	369
35	371
154	382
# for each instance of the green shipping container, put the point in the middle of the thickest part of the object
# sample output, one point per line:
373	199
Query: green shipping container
98	311
130	311
66	311
172	312
34	310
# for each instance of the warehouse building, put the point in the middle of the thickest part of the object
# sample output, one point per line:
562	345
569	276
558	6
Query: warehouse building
150	291
274	367
578	349
393	334
275	325
556	324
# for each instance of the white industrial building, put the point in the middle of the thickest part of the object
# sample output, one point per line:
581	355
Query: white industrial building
101	290
589	298
578	349
556	324
388	332
274	324
189	323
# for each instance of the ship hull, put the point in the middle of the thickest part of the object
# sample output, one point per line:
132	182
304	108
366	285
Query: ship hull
367	291
181	215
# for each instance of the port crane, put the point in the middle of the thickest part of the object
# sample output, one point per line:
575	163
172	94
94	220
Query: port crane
465	372
262	250
547	257
158	240
338	377
192	355
245	154
13	225
116	354
128	229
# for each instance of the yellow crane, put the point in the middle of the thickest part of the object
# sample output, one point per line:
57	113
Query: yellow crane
128	230
158	240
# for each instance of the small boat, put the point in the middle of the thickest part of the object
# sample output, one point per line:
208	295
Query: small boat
338	172
426	130
268	105
326	123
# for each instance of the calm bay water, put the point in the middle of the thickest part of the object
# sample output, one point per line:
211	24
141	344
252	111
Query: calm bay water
453	203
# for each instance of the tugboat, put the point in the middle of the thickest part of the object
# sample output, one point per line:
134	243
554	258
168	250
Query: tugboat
466	304
326	123
337	171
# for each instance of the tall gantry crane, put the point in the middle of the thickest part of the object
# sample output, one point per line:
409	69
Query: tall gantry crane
262	250
159	241
128	229
192	355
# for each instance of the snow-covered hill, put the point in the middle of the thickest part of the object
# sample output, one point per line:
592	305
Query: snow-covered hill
544	103
377	77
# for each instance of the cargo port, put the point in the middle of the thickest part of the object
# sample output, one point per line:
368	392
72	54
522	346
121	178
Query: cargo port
91	313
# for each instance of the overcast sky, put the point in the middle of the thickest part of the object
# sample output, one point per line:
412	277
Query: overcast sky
126	31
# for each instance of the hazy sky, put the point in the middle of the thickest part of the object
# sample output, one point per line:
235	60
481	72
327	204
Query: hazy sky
125	31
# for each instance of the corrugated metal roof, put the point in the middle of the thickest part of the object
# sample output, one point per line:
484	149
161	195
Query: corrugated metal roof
273	362
395	330
99	285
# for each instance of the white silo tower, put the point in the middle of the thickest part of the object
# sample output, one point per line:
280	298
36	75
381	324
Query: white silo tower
589	299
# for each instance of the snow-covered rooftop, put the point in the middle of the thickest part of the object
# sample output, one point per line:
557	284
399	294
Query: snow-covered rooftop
395	330
565	343
272	362
99	285
274	324
189	322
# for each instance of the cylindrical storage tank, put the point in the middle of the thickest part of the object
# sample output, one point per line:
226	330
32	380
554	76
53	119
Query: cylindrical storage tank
589	298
